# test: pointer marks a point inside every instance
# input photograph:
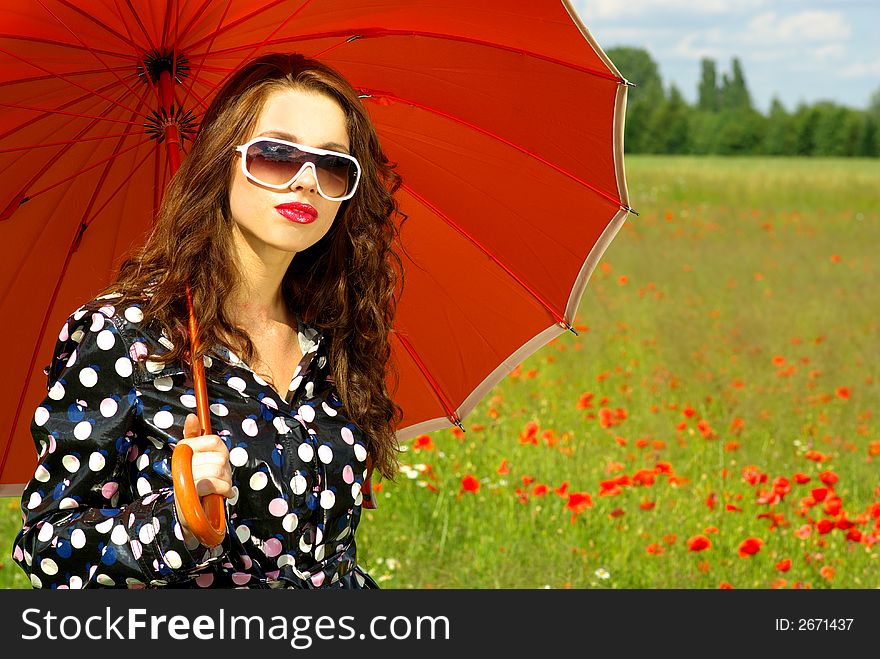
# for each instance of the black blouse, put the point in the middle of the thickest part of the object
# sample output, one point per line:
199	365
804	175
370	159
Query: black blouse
99	510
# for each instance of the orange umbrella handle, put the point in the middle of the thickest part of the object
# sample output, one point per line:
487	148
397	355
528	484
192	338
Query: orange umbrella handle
210	528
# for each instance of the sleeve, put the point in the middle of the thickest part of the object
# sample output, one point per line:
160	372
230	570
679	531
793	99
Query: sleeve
84	523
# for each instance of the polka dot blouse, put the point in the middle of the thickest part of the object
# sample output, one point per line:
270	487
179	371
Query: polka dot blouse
99	510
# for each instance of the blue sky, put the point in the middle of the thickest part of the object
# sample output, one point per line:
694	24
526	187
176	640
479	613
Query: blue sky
796	50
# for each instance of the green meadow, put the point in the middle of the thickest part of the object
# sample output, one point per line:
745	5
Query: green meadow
714	423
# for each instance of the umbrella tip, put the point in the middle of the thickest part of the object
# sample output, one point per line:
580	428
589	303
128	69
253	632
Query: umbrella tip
631	210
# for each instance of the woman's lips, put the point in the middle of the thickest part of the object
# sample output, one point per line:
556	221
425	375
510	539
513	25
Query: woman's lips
301	213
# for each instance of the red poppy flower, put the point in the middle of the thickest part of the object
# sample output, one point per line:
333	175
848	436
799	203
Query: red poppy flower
540	490
698	543
470	483
784	565
423	443
819	493
843	392
828	477
561	489
503	468
824	526
801	478
725	586
750	546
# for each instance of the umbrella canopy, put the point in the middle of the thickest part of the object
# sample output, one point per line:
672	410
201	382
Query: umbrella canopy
504	116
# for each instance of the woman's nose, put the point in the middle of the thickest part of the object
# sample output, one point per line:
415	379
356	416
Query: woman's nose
306	178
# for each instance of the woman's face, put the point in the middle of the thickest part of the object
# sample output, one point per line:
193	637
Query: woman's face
308	118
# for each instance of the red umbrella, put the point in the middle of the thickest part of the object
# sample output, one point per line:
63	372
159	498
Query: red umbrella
505	117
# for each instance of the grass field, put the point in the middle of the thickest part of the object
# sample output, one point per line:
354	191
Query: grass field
714	424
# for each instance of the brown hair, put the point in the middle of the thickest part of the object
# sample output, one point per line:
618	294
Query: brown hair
344	285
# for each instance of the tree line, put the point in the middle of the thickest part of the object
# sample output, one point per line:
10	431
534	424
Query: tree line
724	120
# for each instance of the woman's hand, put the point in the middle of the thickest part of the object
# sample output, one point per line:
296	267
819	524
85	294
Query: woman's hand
210	465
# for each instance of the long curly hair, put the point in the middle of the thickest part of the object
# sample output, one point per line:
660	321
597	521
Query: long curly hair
344	285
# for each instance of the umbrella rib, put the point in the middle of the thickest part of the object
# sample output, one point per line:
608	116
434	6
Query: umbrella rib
92	52
558	318
90	167
51	111
195	76
374	33
426	373
483	131
84	72
65	79
48	144
137	18
244	19
73	46
128	40
198	15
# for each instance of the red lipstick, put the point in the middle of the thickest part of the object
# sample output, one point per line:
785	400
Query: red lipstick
301	213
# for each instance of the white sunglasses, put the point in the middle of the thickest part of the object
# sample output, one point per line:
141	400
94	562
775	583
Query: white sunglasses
277	163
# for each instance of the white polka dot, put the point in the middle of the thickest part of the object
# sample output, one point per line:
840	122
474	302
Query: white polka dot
108	407
328	498
143	486
82	430
68	503
71	463
138	351
306	452
260	380
154	367
325	454
284	559
268	401
64	334
75	582
298	483
134	315
290	522
188	400
96	461
105	526
57	391
295	382
306	413
173	560
78	538
207	361
355	490
35	581
238	456
123	366
219	409
41	416
258	481
327	409
319	552
303	545
48	566
347	436
234	498
119	535
46	532
142	461
72	359
42	474
236	383
97	322
106	340
249	426
108	309
164	383
147	533
105	580
310	389
88	377
243	533
163	419
280	426
360	452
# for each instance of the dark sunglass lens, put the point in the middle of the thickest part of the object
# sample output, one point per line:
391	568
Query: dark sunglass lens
335	175
273	163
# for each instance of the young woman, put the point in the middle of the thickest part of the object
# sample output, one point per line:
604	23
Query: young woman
280	220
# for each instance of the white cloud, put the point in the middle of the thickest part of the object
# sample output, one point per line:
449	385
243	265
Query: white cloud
863	69
814	25
616	8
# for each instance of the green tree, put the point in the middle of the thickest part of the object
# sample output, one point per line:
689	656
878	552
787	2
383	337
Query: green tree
708	89
779	139
669	127
643	100
734	92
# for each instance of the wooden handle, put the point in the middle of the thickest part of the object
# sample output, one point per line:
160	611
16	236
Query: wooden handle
210	528
208	524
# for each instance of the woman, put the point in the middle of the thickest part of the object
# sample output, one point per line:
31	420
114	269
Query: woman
280	220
